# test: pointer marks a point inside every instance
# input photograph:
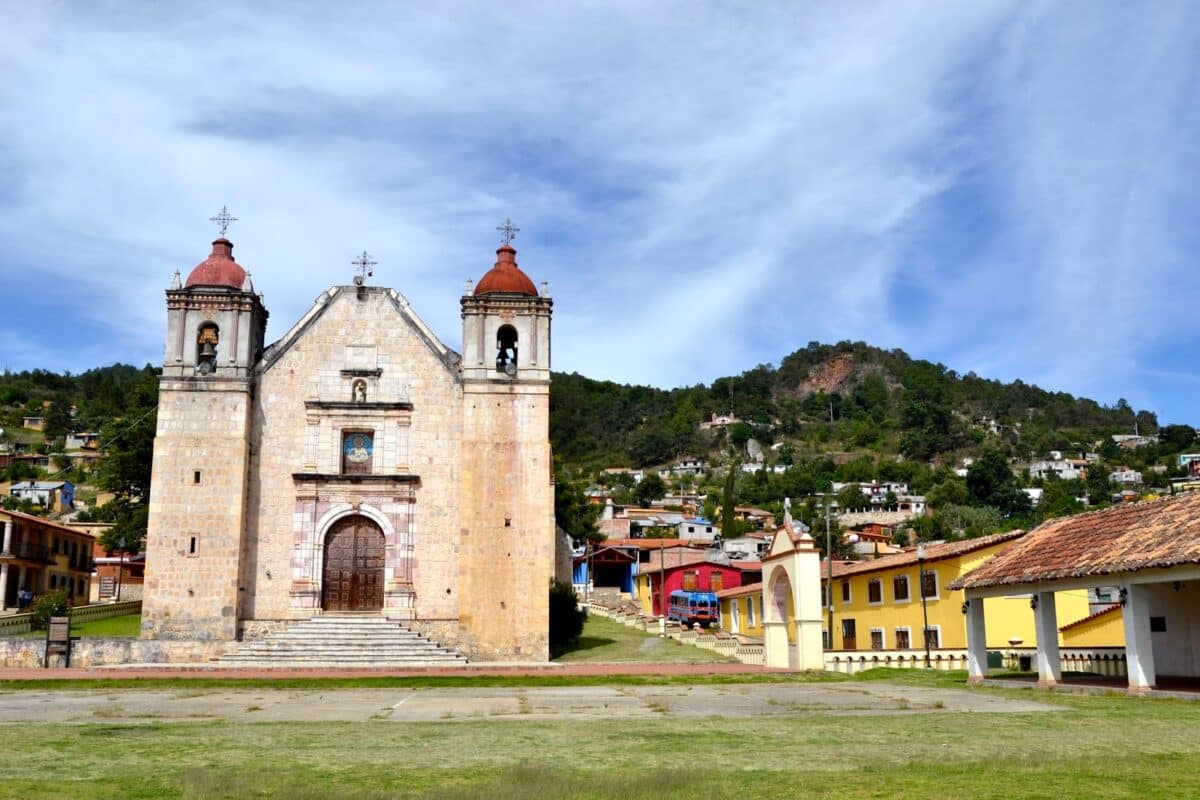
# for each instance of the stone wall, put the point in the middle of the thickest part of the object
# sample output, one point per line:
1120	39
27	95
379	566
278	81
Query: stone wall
193	541
23	652
377	339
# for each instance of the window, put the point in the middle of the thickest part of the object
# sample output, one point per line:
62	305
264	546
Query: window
1158	624
716	581
196	476
929	584
358	447
933	636
875	592
876	638
192	547
690	580
845	591
903	639
825	640
900	588
749	612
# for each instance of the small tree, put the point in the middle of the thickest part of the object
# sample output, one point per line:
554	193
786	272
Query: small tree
566	618
51	604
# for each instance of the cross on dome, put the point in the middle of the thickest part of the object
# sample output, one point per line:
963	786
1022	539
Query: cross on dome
222	220
508	231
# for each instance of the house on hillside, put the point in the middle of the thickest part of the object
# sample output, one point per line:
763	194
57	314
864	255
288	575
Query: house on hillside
697	529
54	496
681	569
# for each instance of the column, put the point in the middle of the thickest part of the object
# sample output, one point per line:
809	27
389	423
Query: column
1139	651
1045	620
976	641
3	587
8	526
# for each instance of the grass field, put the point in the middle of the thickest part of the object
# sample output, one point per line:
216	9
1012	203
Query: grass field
125	626
606	641
1106	747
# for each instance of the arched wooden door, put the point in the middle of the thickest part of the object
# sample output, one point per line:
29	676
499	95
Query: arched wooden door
353	577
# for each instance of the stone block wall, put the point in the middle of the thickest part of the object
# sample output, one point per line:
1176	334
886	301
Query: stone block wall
193	542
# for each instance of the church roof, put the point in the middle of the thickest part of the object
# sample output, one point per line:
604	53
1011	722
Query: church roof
506	277
219	269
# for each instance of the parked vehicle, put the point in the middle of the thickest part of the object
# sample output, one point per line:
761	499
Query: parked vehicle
688	608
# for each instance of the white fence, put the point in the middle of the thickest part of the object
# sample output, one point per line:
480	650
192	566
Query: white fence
1098	660
747	652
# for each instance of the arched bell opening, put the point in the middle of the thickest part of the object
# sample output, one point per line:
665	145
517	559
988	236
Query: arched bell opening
207	339
506	349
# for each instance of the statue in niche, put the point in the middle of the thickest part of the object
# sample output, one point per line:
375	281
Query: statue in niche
359	391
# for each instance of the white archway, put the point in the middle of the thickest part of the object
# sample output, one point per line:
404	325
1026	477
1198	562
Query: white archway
777	590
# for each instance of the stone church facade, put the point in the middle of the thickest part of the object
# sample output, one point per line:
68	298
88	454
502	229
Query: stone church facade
357	465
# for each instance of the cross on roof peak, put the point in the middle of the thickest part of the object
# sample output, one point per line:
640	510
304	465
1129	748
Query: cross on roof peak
364	263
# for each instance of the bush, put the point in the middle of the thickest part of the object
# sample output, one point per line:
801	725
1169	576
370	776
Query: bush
51	604
566	618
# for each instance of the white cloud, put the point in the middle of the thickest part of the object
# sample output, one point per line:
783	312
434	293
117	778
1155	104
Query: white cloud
705	188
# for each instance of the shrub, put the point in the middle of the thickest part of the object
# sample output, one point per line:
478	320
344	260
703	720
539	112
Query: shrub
51	604
566	618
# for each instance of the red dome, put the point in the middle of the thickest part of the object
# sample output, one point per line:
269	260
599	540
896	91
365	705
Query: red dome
506	277
219	269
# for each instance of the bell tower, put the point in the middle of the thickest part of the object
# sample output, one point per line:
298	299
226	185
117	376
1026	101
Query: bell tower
215	329
507	495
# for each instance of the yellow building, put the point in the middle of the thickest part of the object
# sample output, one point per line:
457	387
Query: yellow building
877	604
1105	628
742	610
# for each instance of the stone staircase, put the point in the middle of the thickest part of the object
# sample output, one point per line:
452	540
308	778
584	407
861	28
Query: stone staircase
342	641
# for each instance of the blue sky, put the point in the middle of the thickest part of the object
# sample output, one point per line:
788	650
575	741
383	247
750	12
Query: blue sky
1007	188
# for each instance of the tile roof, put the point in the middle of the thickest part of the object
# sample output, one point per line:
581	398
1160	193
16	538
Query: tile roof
933	552
738	591
41	521
1125	538
645	544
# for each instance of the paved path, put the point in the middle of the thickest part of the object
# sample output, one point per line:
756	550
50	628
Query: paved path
476	669
498	703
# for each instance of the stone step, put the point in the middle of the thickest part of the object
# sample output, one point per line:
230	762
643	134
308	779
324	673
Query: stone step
342	656
342	640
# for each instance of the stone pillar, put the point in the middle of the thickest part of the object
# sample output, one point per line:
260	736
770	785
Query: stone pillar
976	641
809	609
1139	650
1049	665
776	649
3	587
8	526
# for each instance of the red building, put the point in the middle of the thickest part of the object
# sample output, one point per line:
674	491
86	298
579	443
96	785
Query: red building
687	570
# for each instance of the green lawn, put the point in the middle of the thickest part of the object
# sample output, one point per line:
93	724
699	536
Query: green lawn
125	626
1104	747
606	641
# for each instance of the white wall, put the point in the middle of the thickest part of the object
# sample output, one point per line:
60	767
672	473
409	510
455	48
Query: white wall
1177	651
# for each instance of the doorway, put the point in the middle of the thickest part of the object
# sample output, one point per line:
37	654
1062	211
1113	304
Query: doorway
354	559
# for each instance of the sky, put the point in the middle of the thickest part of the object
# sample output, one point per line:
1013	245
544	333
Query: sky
1008	188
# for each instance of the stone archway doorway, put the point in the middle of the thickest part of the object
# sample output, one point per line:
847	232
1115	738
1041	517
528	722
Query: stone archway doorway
354	560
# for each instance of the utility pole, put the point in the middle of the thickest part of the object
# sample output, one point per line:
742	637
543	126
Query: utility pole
924	607
829	570
662	587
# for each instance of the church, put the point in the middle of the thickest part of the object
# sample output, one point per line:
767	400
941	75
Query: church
356	466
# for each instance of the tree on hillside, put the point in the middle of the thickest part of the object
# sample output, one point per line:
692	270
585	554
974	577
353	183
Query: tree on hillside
991	483
650	489
729	520
851	498
1099	484
572	511
129	443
